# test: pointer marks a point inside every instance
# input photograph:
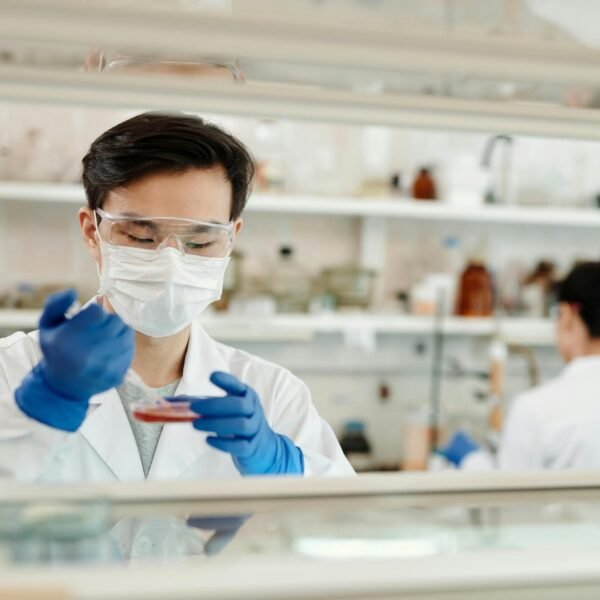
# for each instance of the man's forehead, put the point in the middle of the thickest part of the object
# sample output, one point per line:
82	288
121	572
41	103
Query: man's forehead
201	195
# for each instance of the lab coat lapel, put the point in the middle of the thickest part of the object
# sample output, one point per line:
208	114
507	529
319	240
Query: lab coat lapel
107	430
181	445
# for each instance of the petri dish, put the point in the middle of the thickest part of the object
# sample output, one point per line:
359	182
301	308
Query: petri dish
164	412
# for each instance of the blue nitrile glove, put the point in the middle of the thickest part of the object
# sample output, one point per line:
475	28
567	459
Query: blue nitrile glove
82	356
459	447
241	429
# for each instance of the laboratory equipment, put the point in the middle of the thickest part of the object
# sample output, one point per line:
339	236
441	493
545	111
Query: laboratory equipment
290	284
500	190
351	286
154	408
475	294
107	60
424	187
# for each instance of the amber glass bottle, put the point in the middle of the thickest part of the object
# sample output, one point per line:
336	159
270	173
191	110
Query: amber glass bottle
424	186
475	294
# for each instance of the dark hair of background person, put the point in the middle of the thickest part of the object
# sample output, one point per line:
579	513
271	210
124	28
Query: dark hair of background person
155	142
581	287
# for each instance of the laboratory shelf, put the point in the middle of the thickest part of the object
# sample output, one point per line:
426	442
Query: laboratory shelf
410	209
15	320
404	208
271	45
289	328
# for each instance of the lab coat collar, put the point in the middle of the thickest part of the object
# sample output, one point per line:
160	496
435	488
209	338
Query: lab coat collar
107	430
180	445
584	366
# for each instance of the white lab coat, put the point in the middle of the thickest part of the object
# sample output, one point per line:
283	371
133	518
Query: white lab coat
104	448
553	426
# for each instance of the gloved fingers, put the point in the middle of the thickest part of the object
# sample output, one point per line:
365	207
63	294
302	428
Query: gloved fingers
112	326
229	383
107	347
244	427
225	406
92	315
56	306
239	447
126	336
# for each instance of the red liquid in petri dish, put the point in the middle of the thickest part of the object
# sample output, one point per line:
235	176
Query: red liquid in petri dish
165	414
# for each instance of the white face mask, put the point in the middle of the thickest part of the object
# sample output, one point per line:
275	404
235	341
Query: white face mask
158	292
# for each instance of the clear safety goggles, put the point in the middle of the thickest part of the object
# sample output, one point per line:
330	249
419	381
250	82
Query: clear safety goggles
190	237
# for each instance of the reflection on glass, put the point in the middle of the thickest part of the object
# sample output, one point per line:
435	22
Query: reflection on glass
100	532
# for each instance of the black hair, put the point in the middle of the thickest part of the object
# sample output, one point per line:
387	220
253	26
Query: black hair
155	142
581	287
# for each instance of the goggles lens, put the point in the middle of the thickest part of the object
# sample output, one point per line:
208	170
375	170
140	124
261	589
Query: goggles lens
195	238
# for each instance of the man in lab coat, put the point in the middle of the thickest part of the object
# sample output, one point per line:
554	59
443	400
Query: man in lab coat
555	425
165	196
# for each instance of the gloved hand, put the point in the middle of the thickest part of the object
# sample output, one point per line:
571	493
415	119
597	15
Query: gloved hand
241	429
82	356
459	447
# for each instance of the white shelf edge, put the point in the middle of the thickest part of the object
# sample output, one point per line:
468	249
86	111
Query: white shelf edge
304	327
26	191
407	208
359	207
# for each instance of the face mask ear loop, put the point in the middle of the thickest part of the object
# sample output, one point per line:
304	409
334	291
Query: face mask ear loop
97	233
98	239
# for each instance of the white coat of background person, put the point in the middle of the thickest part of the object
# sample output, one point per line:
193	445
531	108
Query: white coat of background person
155	185
555	425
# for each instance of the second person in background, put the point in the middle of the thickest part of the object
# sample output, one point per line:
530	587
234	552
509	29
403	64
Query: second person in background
555	425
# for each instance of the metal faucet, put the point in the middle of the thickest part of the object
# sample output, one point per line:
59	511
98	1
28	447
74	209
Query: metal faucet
498	191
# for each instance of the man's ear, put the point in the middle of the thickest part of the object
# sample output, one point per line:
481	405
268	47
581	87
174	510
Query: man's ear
238	225
87	227
569	314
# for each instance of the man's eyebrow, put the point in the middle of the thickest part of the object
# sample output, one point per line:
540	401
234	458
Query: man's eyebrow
143	223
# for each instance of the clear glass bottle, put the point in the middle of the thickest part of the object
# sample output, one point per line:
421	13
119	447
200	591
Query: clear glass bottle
290	285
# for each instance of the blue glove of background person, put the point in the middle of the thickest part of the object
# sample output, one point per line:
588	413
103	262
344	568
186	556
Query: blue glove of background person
242	430
82	356
459	447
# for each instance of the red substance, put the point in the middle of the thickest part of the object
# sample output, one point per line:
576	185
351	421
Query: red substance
167	414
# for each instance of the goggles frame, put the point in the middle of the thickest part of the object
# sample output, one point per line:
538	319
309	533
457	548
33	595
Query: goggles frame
113	218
